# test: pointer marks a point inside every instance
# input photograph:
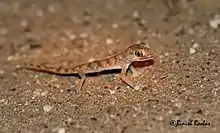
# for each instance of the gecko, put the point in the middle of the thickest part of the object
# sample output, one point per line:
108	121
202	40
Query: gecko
134	53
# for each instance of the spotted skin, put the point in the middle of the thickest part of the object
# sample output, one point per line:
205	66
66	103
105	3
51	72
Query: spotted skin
134	53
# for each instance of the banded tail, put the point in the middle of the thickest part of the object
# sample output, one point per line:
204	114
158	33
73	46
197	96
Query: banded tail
48	68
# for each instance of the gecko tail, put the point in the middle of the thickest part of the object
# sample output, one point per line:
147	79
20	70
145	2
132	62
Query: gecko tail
46	68
40	68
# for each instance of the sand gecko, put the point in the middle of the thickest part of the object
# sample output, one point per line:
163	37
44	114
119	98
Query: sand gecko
134	53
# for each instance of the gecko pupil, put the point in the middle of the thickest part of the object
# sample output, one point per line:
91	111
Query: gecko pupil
138	53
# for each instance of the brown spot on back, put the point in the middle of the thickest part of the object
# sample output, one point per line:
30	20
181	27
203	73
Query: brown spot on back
70	62
43	65
83	67
50	67
75	69
93	65
66	70
62	70
103	63
111	61
119	57
38	66
58	69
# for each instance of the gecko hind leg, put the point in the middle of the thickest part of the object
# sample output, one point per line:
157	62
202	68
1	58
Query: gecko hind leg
82	80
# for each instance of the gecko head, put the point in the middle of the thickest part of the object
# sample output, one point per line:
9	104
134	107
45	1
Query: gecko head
140	52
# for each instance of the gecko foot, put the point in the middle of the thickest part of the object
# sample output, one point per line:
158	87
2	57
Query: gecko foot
126	80
130	83
82	80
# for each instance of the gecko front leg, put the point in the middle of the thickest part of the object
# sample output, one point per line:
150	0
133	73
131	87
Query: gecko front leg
123	76
135	72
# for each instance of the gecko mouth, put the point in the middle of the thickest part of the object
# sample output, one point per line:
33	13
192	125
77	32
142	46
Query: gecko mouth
149	57
144	61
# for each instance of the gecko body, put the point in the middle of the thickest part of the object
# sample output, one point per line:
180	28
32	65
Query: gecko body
134	53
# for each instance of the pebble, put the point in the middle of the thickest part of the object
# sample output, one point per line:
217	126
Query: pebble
39	13
109	41
115	25
84	35
215	22
136	14
192	50
166	54
2	72
10	58
178	105
195	45
59	130
37	92
47	108
217	83
139	32
24	23
72	37
3	31
69	119
191	31
14	74
138	87
112	91
44	93
99	26
61	90
51	8
160	118
3	101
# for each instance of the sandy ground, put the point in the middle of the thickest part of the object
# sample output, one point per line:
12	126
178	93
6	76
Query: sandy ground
183	84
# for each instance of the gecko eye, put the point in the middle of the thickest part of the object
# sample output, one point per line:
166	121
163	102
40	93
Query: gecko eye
139	53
